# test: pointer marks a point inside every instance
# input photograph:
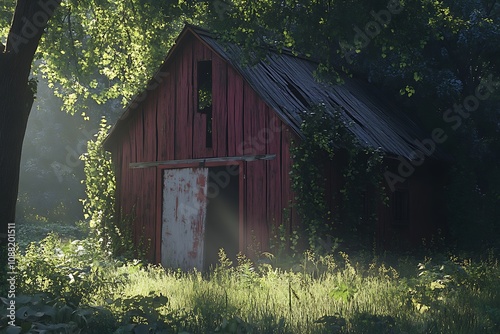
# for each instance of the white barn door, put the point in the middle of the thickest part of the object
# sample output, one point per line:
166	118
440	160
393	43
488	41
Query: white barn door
183	217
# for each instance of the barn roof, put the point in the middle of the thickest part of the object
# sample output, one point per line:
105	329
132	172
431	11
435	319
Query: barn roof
286	82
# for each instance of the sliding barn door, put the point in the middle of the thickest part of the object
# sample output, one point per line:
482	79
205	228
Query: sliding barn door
183	217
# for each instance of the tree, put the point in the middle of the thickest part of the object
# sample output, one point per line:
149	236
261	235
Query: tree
17	95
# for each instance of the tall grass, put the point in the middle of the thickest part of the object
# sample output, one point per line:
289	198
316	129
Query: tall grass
335	293
327	295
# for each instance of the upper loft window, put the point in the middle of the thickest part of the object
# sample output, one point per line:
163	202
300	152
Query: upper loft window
204	83
204	86
401	206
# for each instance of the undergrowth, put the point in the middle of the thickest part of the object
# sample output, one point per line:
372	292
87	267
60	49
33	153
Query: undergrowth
75	288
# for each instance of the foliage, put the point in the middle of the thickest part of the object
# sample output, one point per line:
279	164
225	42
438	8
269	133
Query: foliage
40	313
103	51
474	190
74	271
78	43
311	157
329	145
440	280
141	314
99	204
332	293
283	242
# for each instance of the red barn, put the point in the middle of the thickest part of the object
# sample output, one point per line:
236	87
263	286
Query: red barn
202	156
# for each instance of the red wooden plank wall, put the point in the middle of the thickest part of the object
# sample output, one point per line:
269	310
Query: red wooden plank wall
235	112
220	106
423	219
166	126
273	190
184	102
422	197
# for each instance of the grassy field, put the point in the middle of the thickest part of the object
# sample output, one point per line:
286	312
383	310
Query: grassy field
85	290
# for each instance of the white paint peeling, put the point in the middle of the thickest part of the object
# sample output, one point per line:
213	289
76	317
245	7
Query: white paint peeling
183	217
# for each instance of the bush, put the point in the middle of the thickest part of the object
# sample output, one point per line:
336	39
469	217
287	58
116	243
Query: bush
77	271
99	204
40	313
331	293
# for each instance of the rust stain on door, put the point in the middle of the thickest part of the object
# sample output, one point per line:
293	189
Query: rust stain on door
183	217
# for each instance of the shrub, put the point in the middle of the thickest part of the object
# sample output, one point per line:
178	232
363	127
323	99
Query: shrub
75	271
332	293
99	204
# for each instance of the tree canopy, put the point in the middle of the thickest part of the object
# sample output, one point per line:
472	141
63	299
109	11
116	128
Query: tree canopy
106	49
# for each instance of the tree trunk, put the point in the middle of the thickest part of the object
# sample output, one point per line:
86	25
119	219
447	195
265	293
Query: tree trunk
15	104
16	98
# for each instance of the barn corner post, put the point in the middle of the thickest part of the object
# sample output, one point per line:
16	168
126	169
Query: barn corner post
16	99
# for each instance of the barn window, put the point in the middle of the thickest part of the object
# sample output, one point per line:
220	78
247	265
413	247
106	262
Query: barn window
204	81
401	206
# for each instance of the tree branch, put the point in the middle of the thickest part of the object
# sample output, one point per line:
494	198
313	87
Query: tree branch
72	39
27	27
28	24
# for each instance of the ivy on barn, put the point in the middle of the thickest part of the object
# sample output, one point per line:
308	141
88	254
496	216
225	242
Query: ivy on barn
328	143
99	204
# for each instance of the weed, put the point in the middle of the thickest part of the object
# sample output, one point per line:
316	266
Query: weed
333	293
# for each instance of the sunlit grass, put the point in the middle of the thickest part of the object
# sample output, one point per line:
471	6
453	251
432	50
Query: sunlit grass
371	300
334	293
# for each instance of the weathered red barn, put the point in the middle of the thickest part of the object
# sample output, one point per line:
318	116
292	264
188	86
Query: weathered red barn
202	157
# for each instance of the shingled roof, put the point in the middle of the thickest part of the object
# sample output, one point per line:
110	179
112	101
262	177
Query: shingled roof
287	84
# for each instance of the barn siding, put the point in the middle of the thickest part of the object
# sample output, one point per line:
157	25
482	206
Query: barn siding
425	208
220	105
273	191
166	126
286	187
184	107
235	112
422	197
149	174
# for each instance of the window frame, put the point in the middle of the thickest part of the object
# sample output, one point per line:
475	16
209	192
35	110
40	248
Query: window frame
204	77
